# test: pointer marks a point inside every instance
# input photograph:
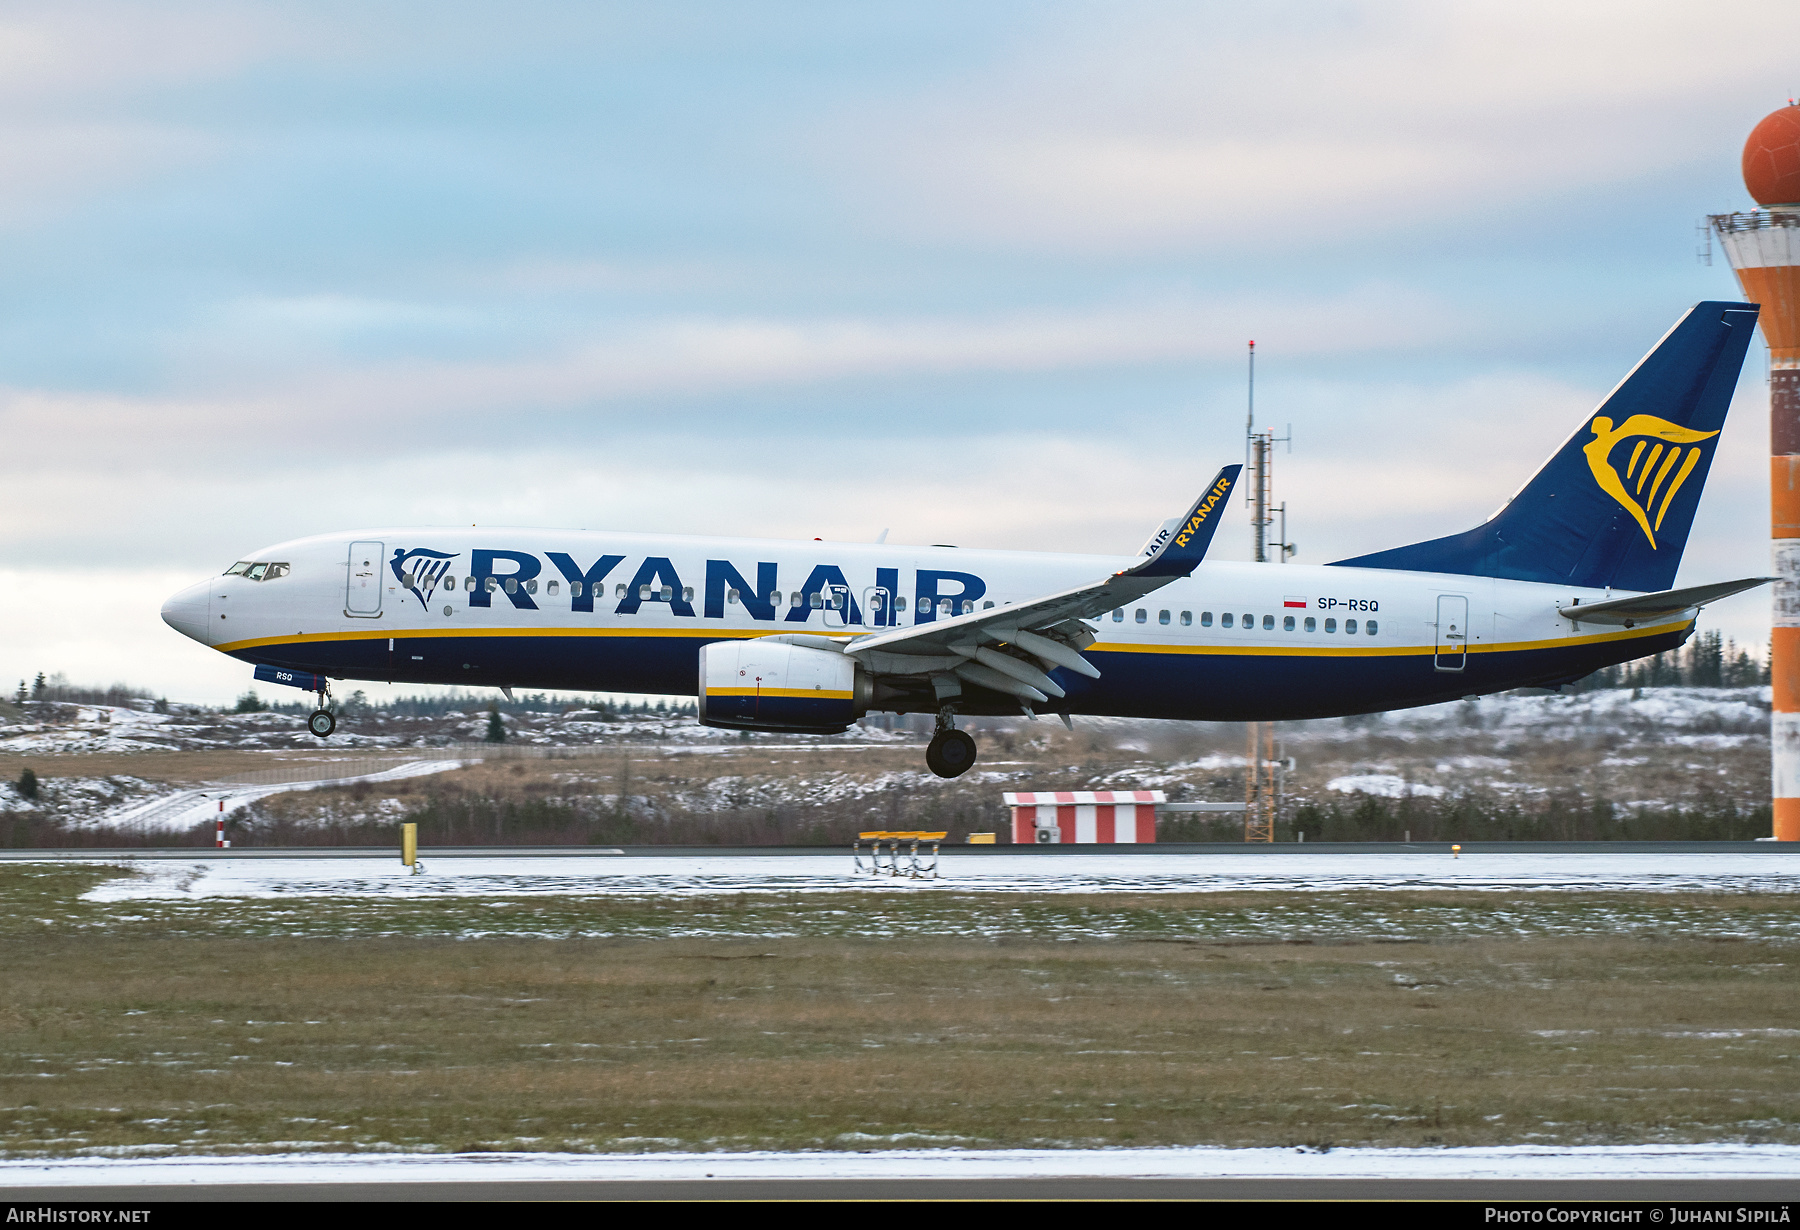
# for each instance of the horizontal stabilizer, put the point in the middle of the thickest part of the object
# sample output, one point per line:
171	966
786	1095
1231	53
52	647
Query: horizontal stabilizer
1649	608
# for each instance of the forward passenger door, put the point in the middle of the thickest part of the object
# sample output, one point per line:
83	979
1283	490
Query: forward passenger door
362	584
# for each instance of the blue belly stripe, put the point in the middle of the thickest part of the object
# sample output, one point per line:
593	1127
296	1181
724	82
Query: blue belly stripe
1203	687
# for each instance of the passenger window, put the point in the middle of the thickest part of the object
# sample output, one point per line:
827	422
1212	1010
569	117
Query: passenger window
1162	617
469	583
620	592
1268	623
924	607
987	606
1350	626
1287	623
1206	619
1312	625
668	593
731	596
1370	627
448	583
687	593
1119	617
531	587
946	607
1249	620
1187	619
512	585
1142	616
1331	625
1225	620
643	593
818	600
551	587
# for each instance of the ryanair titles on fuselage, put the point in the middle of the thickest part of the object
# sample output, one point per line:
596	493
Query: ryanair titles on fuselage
521	578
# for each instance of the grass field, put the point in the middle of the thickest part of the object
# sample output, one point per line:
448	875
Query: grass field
880	1019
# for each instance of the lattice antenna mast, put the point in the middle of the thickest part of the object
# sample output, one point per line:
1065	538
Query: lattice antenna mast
1262	764
1259	460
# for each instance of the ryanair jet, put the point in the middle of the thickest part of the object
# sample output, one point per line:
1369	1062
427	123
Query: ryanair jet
1571	575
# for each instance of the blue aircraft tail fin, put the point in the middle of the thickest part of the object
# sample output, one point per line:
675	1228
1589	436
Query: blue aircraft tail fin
1613	507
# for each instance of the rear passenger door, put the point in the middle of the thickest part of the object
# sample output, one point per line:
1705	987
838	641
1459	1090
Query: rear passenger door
1452	632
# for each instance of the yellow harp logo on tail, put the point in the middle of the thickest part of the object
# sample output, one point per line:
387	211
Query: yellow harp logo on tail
1659	463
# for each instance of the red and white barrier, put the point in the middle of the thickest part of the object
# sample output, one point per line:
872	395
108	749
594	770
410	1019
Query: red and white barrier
219	841
1084	817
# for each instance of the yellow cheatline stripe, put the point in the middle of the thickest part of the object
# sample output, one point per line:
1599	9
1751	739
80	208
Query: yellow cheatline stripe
415	634
812	693
1244	650
1313	651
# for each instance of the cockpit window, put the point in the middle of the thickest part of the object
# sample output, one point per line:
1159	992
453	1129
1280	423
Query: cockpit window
261	570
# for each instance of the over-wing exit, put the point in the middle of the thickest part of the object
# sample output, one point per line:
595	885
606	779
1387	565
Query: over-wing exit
1572	574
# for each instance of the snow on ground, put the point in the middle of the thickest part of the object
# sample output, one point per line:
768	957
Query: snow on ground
1705	1161
1387	785
183	809
1707	710
692	875
1706	717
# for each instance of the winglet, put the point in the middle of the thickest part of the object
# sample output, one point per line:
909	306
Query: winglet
1184	546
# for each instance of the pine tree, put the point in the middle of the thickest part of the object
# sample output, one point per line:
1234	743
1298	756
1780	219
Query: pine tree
38	687
1705	661
28	785
21	696
496	731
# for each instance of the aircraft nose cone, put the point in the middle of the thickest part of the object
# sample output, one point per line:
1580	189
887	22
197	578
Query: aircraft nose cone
187	611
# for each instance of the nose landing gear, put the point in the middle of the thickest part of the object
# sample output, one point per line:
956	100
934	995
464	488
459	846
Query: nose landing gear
323	721
951	752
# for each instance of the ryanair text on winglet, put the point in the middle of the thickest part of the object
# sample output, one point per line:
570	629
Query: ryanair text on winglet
1200	514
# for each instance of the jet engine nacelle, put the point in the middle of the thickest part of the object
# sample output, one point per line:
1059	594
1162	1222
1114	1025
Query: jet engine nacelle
767	685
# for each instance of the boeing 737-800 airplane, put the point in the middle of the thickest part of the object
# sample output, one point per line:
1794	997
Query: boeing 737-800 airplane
1572	574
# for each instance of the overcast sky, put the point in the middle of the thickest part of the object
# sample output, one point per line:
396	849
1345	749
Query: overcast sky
981	273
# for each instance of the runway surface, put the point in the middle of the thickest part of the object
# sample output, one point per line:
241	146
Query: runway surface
1659	1172
691	874
1497	1191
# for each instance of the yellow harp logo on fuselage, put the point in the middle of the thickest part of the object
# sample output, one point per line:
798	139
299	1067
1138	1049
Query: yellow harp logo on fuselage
1659	464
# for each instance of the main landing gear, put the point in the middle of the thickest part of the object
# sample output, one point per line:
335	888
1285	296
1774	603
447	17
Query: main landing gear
951	752
323	721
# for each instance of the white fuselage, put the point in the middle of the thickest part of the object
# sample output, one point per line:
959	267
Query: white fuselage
556	609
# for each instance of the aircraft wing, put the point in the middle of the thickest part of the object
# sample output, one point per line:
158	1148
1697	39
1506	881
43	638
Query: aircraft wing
1044	633
1647	608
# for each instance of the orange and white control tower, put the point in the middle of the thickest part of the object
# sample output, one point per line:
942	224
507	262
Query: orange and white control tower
1763	246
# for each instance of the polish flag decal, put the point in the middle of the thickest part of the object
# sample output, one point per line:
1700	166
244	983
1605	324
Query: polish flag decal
1299	602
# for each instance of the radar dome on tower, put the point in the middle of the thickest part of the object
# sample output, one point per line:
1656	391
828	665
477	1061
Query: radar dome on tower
1772	159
